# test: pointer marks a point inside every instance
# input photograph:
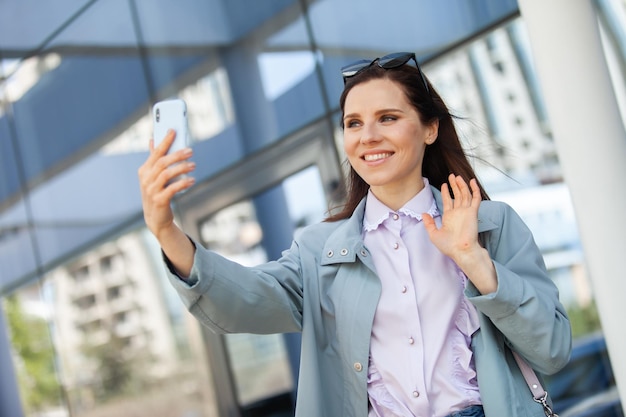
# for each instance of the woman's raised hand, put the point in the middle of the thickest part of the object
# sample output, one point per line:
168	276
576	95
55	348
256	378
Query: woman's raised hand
458	235
158	187
154	180
459	224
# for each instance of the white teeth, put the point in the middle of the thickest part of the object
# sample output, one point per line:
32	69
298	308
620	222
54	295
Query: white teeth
376	156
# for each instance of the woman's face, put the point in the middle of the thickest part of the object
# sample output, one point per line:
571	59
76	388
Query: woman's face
385	140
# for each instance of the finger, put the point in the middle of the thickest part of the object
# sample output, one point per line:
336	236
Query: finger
179	169
162	163
158	197
165	144
174	173
154	177
181	184
161	149
456	194
476	196
174	187
429	223
179	157
465	196
446	199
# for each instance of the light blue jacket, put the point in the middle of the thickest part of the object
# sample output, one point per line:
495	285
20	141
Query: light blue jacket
326	286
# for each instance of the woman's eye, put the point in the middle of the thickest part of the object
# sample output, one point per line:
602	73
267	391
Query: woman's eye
388	118
352	123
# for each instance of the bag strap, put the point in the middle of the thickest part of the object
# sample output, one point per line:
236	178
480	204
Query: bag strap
540	395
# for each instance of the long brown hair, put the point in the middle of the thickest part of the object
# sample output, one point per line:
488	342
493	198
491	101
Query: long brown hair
442	158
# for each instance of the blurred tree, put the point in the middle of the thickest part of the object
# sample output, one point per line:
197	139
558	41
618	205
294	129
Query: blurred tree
118	370
113	370
584	319
35	358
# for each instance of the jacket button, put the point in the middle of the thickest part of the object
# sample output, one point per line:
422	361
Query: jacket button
344	252
330	254
358	367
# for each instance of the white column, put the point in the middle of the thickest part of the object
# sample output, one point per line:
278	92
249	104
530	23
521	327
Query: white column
591	143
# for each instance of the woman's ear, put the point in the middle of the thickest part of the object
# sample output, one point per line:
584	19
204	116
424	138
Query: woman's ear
433	132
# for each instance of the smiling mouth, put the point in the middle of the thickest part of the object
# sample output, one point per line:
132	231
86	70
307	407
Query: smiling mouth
376	156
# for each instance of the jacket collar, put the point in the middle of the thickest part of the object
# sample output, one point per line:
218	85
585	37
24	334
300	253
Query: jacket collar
345	243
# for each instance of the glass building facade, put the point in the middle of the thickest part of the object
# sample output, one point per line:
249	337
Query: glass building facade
88	325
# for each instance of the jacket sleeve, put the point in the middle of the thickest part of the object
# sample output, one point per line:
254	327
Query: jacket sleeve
525	307
230	298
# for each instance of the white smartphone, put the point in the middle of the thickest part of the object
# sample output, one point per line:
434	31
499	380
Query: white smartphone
171	114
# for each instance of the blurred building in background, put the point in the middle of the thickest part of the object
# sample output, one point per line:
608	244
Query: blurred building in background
89	326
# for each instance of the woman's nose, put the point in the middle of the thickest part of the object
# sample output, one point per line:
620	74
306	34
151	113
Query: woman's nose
369	134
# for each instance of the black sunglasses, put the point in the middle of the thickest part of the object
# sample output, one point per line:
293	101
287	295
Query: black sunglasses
395	60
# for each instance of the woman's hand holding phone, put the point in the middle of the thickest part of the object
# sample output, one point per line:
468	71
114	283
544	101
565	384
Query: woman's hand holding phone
157	187
161	177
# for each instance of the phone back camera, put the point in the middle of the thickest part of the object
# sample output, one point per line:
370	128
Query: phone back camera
158	115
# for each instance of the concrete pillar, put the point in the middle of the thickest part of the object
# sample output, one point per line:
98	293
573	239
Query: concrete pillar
591	142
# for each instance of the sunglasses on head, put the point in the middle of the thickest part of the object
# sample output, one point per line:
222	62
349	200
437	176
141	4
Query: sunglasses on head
390	61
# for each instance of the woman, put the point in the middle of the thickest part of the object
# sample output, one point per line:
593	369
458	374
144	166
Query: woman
409	301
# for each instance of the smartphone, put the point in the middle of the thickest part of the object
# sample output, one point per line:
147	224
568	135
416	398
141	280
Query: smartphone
171	114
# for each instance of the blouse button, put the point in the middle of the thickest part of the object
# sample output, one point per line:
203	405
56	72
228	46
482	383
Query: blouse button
411	340
404	289
396	245
395	216
416	394
358	367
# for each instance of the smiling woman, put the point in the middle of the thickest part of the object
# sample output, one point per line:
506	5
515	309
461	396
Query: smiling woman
407	297
263	80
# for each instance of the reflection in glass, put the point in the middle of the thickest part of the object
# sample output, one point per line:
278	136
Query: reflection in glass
282	71
304	194
121	342
259	362
288	74
28	320
23	75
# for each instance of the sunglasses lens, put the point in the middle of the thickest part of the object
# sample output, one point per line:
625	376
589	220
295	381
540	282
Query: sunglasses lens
395	60
355	67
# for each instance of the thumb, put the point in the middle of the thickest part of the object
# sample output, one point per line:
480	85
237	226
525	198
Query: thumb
429	223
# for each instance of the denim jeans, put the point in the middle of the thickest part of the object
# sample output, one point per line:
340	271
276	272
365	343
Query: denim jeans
471	411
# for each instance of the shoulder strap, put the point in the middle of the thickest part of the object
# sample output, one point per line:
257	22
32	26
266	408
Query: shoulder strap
540	395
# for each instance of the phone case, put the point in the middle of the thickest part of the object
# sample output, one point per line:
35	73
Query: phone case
171	114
